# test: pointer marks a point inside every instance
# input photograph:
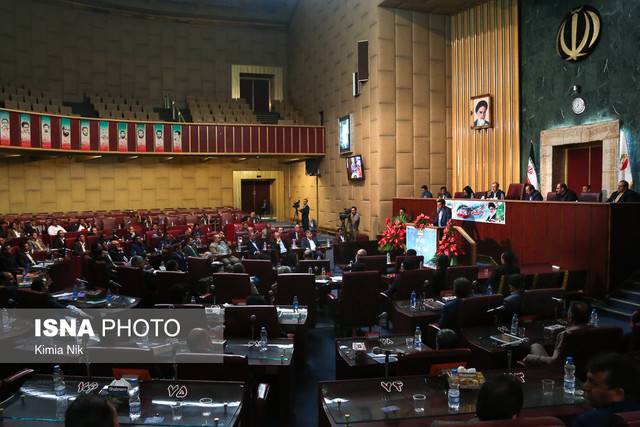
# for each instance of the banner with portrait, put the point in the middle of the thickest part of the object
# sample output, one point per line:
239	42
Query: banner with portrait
45	131
158	138
85	135
122	137
25	130
176	138
489	211
141	138
103	143
65	133
5	128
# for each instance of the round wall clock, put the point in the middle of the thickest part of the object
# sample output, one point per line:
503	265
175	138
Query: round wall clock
578	106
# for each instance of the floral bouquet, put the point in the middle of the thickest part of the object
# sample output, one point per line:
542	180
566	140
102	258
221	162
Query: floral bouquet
393	237
422	221
448	244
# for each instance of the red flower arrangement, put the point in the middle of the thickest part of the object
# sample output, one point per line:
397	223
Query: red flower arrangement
448	245
422	221
393	237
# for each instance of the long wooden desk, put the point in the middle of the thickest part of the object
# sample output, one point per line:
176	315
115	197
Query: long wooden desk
597	237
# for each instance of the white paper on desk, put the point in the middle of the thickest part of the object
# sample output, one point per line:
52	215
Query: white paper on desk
335	279
380	357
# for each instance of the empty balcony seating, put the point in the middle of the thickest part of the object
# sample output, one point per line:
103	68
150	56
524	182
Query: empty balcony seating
19	98
205	110
288	113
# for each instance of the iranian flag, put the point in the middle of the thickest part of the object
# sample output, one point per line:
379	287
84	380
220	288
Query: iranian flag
624	167
532	175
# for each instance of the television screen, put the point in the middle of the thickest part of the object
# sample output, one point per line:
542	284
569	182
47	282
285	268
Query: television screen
355	168
344	134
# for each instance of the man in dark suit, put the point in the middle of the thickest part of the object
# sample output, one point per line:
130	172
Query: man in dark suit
443	214
24	258
624	194
564	194
496	193
513	303
531	194
358	265
80	245
311	243
279	247
304	211
449	319
297	234
253	246
136	248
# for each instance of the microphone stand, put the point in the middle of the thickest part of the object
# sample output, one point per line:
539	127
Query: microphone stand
252	318
387	353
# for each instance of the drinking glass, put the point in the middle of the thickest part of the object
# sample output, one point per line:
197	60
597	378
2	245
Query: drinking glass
176	411
409	342
206	403
419	401
547	387
522	332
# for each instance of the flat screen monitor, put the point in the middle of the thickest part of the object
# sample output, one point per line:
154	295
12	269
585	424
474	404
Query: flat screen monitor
355	168
344	134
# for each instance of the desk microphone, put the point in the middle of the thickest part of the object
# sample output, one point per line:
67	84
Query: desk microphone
499	308
556	299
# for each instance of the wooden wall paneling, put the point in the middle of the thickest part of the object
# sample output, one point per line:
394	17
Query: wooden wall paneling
484	43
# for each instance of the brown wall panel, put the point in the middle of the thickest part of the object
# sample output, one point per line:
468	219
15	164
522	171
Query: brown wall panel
484	43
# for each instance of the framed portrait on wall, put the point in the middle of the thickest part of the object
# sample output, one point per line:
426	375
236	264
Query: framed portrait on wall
481	110
344	134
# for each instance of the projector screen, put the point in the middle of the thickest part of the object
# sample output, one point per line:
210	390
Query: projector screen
424	241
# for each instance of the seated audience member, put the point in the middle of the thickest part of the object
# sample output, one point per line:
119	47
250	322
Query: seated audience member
131	233
90	410
612	386
189	247
468	192
27	229
116	252
531	194
439	279
36	243
586	188
219	248
296	235
495	193
341	236
577	318
137	261
196	231
446	339
174	254
80	246
311	242
136	247
13	232
41	284
76	226
624	194
24	258
58	242
358	265
54	228
8	260
412	263
444	193
564	194
462	288
499	398
508	266
172	265
254	247
279	247
254	297
199	341
425	194
513	303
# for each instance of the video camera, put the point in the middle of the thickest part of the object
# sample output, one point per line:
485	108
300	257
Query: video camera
344	214
296	204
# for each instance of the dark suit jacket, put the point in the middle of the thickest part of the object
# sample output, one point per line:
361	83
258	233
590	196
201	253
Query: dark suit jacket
305	216
627	196
305	243
501	270
77	248
446	216
449	316
254	247
138	249
358	266
8	263
498	195
296	236
568	196
23	260
57	243
275	246
535	196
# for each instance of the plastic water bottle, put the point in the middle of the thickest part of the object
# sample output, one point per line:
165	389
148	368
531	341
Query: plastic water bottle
489	289
310	270
453	395
135	408
5	318
263	339
162	267
295	304
388	258
323	272
76	291
593	321
82	291
59	386
414	300
193	299
417	338
264	247
569	376
514	325
109	297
